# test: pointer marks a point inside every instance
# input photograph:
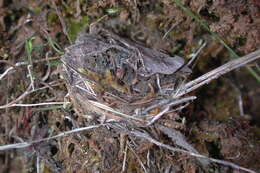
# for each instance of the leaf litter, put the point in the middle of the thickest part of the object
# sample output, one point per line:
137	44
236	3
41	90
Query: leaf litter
125	87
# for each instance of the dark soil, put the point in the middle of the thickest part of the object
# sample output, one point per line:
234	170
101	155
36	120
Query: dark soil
214	124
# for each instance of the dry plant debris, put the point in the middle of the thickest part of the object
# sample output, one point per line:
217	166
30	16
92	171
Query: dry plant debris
133	111
91	68
106	69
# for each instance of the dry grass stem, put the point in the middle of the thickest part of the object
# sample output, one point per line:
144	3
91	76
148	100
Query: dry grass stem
63	23
216	73
124	161
10	69
195	55
138	158
152	140
32	105
27	144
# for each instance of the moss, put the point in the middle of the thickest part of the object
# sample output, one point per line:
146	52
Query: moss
52	18
76	25
37	9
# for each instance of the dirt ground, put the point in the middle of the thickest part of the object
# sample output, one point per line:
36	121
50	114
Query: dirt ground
222	123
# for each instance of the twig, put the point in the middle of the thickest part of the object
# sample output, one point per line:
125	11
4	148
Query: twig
169	102
18	98
27	144
133	132
148	159
85	81
63	24
27	92
152	140
138	158
161	103
171	28
107	108
239	98
12	68
180	141
93	25
78	9
158	116
214	74
38	167
47	74
124	161
29	67
179	108
36	104
196	53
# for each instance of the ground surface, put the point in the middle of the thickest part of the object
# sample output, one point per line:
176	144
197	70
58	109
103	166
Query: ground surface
39	31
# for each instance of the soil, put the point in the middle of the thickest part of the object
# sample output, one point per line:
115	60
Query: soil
214	125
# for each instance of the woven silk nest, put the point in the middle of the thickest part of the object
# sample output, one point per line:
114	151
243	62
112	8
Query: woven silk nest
112	78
